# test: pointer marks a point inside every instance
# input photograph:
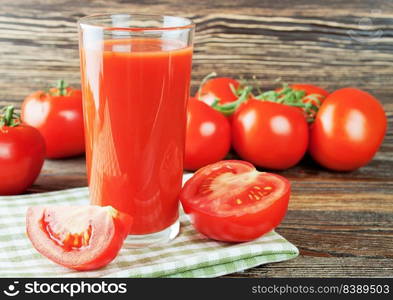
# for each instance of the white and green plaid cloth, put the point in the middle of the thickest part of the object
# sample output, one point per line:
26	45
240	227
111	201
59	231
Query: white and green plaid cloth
189	255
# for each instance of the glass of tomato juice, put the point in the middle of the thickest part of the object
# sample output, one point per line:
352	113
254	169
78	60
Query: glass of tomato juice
135	72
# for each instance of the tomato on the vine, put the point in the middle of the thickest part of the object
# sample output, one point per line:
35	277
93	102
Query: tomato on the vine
310	89
348	130
231	201
313	94
208	135
222	89
58	115
22	153
269	135
306	97
84	237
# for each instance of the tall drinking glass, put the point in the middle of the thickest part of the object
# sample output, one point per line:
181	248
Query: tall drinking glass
135	80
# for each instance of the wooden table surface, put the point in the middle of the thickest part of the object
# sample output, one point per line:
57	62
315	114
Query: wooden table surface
341	222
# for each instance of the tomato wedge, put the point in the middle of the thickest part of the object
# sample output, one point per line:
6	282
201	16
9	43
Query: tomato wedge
232	201
77	237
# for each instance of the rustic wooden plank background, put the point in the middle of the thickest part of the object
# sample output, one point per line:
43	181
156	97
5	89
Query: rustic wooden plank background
341	222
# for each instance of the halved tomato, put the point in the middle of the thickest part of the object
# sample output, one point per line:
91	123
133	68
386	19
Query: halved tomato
232	201
77	237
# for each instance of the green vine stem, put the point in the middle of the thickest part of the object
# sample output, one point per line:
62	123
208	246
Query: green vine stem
9	117
229	108
296	98
62	87
59	90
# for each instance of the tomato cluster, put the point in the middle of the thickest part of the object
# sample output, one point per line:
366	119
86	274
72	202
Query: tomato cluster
227	200
342	131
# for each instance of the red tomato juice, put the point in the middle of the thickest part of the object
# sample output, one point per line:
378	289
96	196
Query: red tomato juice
135	96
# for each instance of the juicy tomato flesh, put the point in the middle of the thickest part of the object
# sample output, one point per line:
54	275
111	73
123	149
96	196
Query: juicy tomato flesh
228	193
77	237
64	236
232	201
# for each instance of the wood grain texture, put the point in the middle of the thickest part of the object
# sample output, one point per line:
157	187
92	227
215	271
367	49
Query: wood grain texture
341	222
325	267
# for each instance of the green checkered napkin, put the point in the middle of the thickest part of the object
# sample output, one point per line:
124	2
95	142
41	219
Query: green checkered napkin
189	255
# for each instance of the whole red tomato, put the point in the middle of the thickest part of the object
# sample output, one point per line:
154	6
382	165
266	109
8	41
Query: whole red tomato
58	115
270	135
348	130
22	153
208	135
221	88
